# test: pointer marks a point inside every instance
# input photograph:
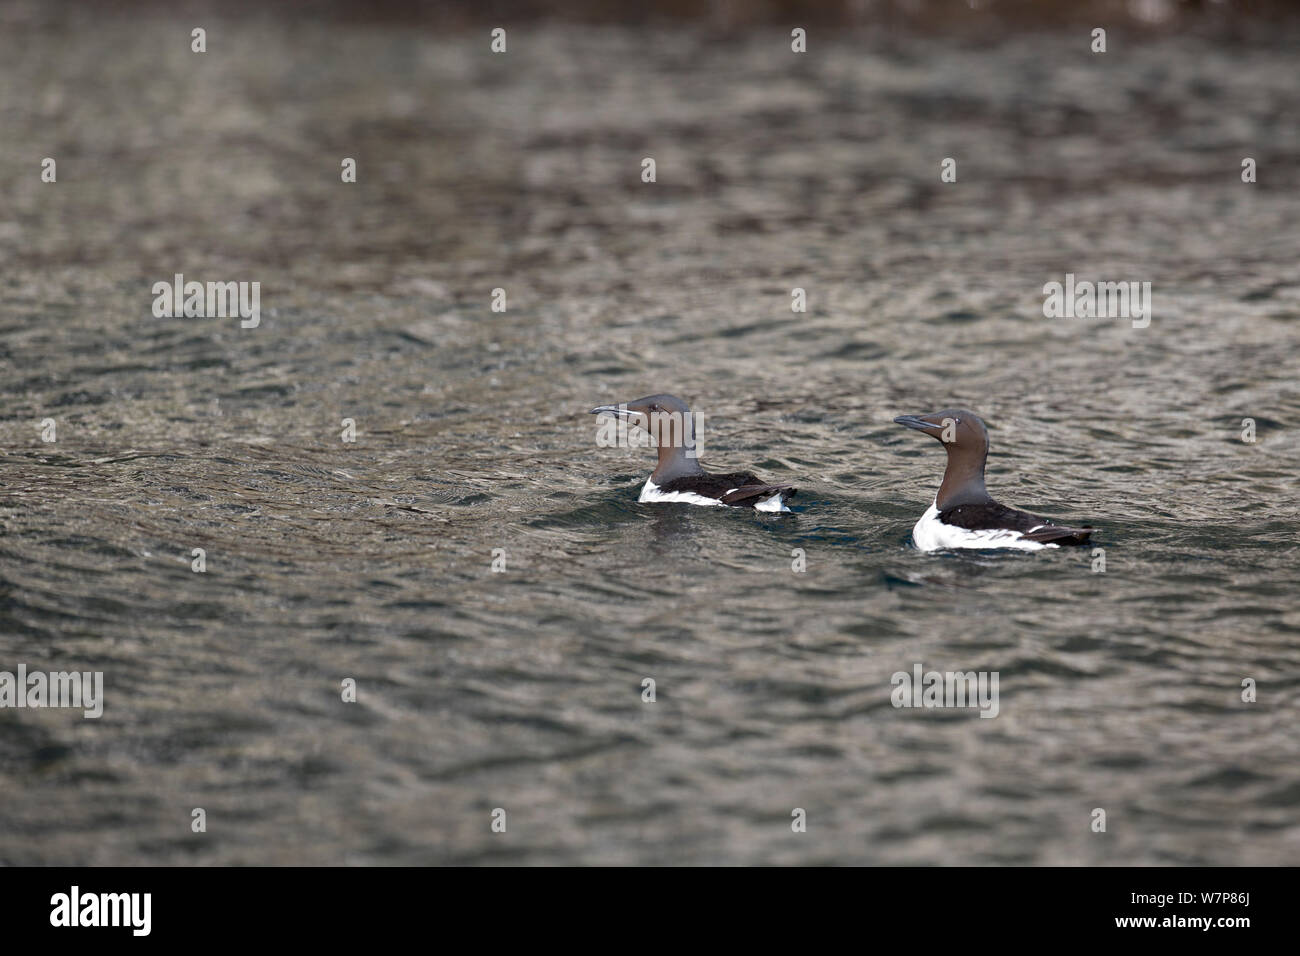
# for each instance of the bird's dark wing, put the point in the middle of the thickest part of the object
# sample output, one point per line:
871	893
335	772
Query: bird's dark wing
746	496
739	489
1056	534
994	516
710	486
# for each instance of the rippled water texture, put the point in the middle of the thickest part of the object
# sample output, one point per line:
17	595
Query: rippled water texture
522	690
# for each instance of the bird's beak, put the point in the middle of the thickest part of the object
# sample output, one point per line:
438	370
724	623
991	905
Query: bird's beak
915	421
618	411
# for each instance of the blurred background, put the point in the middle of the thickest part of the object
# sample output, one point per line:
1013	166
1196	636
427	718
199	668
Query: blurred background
372	560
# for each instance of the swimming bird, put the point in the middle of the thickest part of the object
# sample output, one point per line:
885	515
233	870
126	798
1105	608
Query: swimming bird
963	515
679	477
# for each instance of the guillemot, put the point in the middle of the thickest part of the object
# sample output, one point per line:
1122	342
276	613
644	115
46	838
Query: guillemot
963	515
678	476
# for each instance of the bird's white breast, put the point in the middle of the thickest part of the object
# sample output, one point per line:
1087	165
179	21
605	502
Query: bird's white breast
651	492
931	534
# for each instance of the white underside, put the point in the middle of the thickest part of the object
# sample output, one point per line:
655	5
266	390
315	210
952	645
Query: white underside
773	504
651	493
931	534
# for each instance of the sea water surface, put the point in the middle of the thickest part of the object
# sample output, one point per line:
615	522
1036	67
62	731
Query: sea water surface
372	560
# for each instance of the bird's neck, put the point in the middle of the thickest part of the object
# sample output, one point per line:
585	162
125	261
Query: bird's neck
674	462
963	481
